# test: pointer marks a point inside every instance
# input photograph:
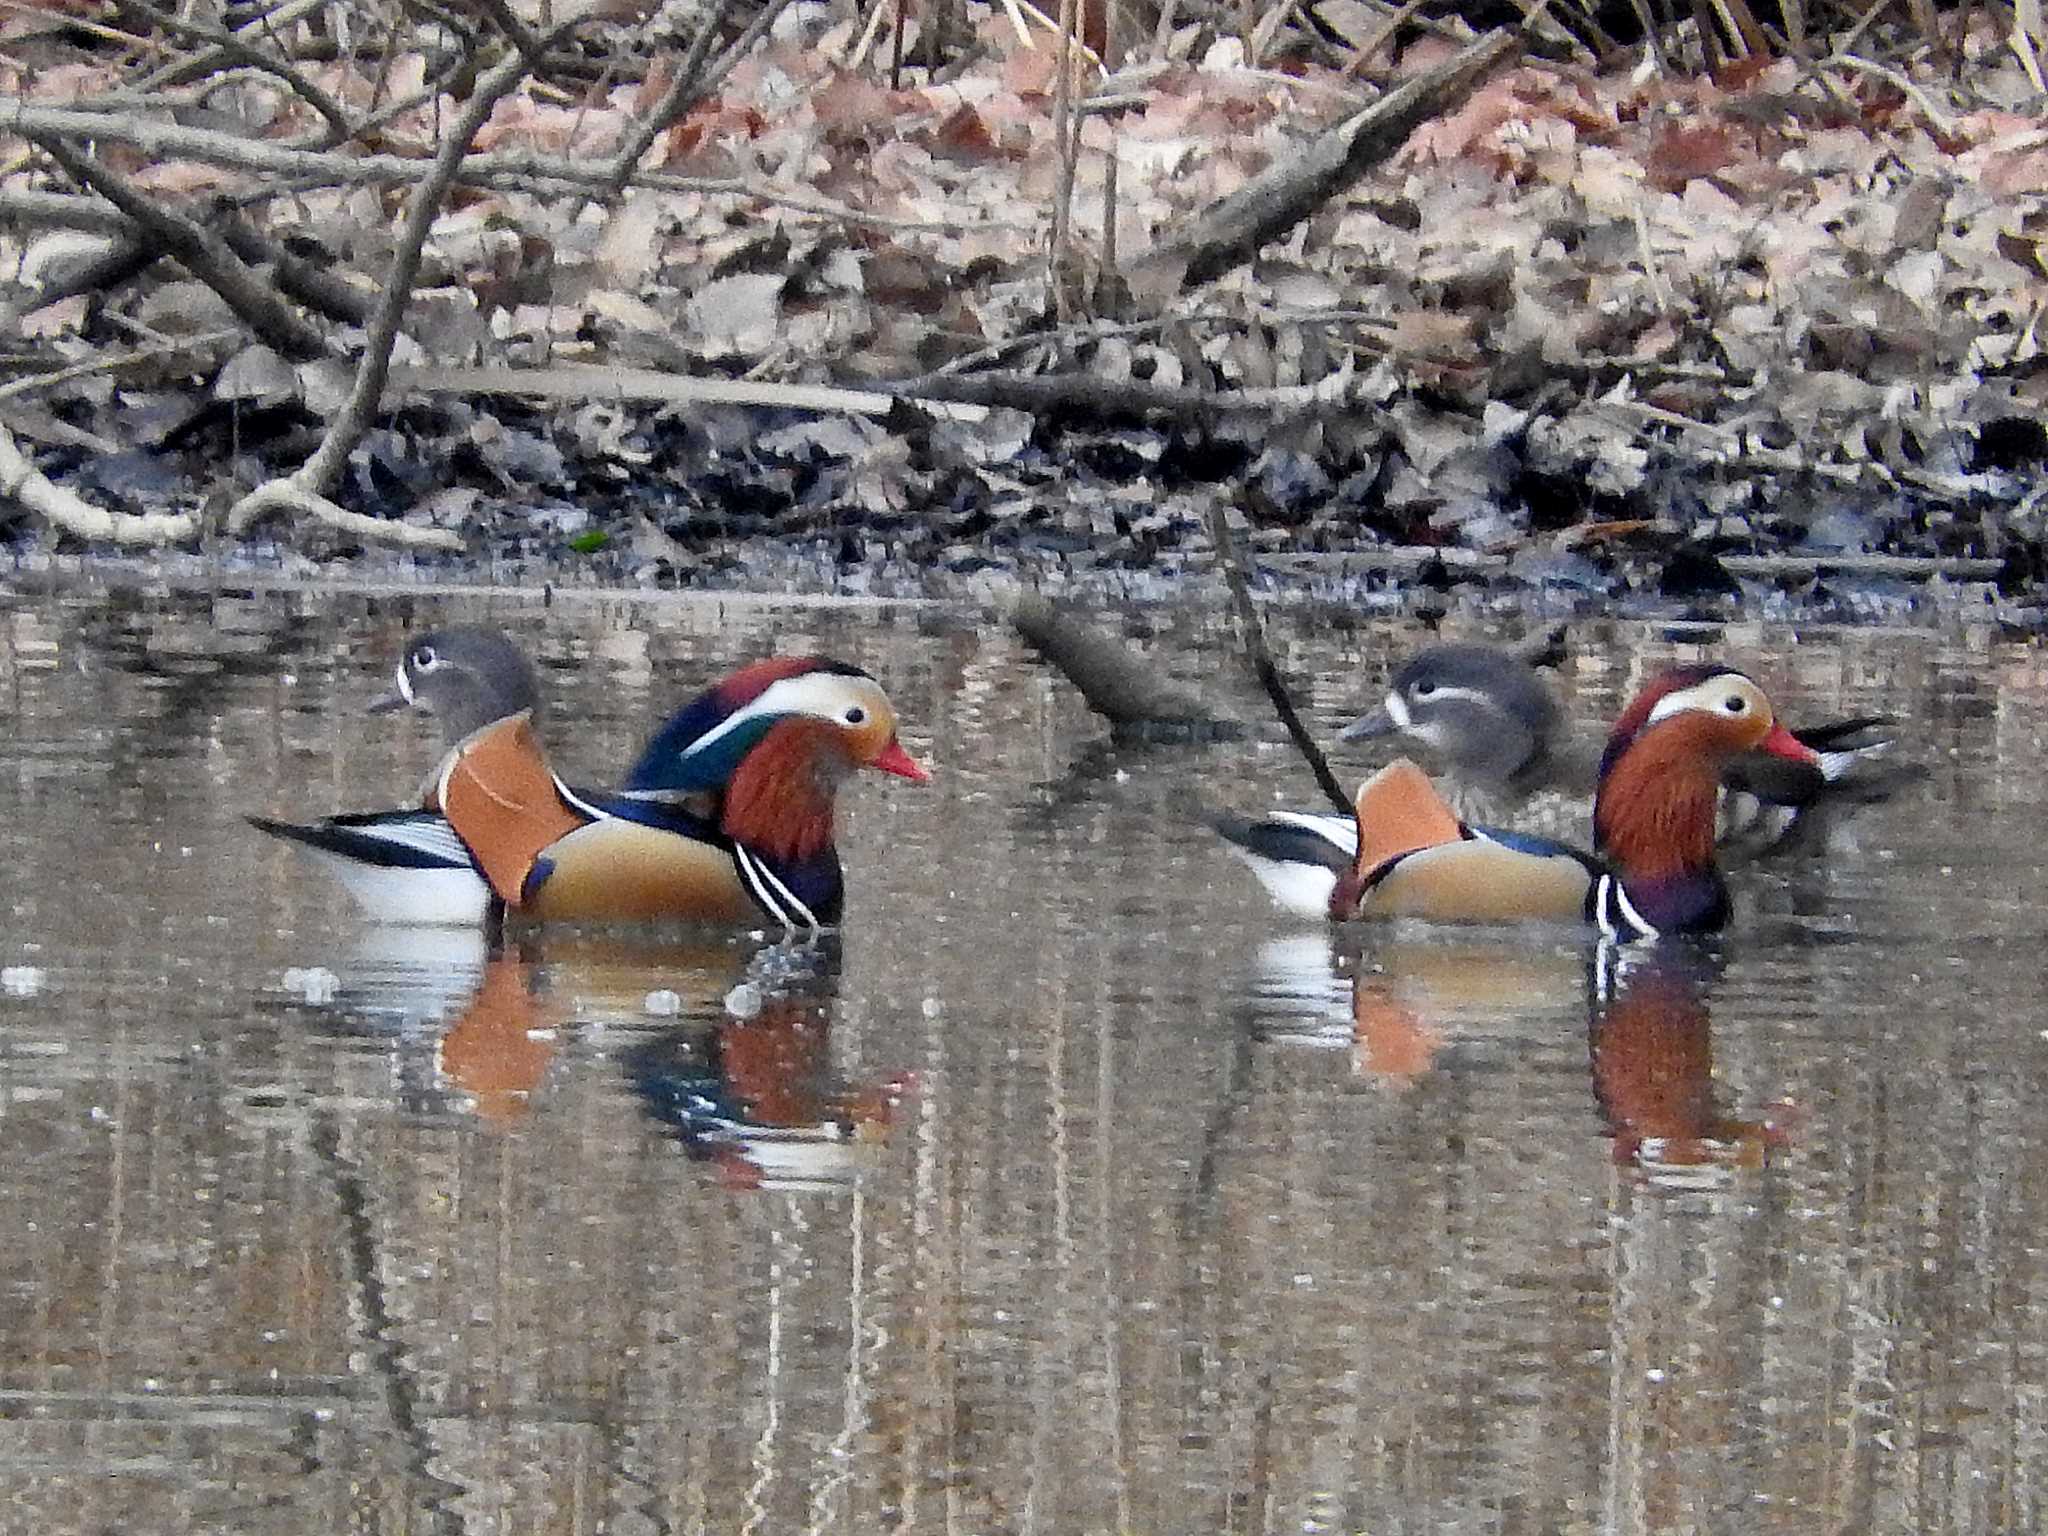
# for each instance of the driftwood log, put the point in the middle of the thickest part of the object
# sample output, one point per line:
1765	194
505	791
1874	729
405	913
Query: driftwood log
1118	684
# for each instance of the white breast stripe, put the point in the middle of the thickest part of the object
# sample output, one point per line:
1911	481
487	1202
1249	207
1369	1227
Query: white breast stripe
1644	929
577	803
780	901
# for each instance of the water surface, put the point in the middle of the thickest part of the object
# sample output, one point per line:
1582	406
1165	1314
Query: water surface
1071	1189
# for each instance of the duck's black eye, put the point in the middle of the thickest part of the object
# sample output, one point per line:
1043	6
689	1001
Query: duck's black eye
855	715
424	658
1423	690
1735	704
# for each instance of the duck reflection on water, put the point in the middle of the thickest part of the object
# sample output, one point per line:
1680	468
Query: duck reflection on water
739	1065
1399	1001
1649	1035
753	1087
1405	1008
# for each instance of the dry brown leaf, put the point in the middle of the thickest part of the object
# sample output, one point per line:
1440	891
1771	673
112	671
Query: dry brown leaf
1683	152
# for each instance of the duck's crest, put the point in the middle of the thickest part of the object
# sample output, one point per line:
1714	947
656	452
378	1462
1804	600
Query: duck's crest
679	760
1632	720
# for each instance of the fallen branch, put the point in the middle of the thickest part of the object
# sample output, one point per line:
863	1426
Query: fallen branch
68	512
1905	567
1231	231
1117	683
1128	397
286	495
63	210
580	382
1261	659
1392	557
201	252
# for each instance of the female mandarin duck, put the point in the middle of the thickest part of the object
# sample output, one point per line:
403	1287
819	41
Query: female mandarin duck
1653	870
1489	718
727	817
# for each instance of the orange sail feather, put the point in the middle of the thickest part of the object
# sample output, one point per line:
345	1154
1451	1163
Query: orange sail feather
500	796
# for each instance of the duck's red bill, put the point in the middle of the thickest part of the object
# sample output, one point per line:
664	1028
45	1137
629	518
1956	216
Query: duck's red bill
899	762
1782	743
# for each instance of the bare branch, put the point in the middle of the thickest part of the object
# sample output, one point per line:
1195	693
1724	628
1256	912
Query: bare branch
315	287
169	141
187	67
317	475
692	83
1231	230
29	383
63	210
1260	658
287	495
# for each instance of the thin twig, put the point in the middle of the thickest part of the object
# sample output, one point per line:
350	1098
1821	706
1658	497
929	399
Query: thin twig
229	46
1261	659
693	82
193	66
113	363
1937	119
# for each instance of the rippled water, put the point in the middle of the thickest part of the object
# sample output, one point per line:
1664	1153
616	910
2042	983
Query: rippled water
1073	1189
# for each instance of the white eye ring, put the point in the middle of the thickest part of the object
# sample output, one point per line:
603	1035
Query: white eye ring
425	659
855	715
1735	704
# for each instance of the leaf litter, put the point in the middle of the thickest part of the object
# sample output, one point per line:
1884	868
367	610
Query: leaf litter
1778	308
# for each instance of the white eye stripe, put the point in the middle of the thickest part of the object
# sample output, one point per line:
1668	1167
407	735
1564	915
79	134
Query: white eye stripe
1710	695
1439	692
823	695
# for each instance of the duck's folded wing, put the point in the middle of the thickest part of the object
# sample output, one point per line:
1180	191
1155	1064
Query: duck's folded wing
400	866
1297	855
383	839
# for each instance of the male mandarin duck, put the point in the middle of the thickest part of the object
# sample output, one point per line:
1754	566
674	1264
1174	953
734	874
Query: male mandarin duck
1653	869
1486	714
726	818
